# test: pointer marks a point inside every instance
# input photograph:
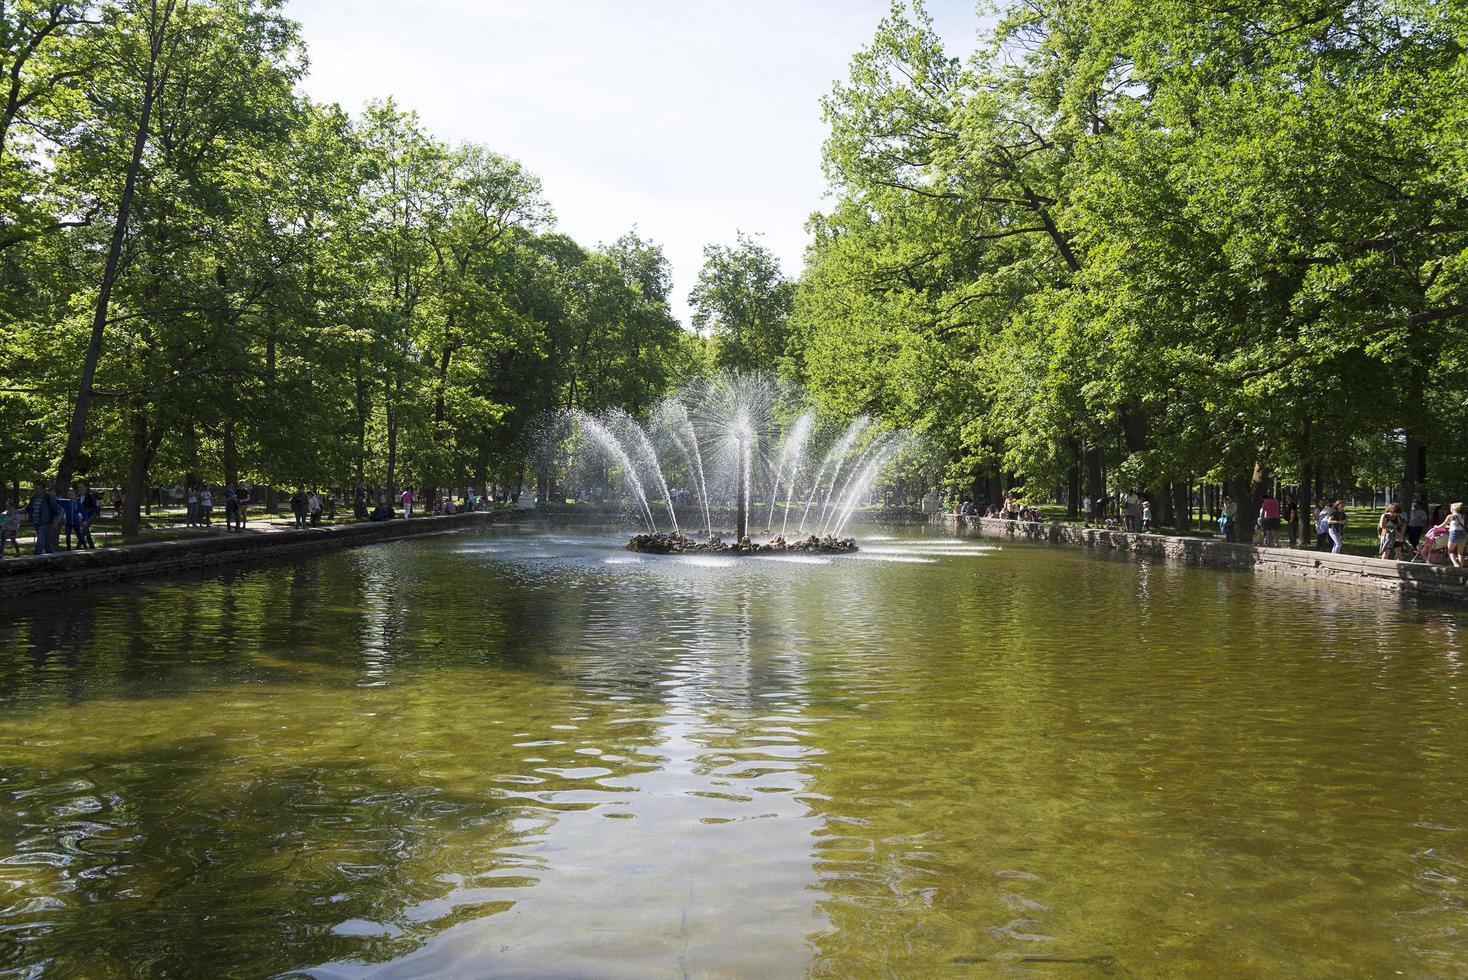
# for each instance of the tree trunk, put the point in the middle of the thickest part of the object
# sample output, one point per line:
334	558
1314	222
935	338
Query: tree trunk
1095	482
1073	484
136	488
1136	431
392	449
361	421
1414	466
1182	508
1304	494
231	455
77	429
443	380
1242	489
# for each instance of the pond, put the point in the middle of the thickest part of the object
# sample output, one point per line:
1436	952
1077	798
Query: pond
533	753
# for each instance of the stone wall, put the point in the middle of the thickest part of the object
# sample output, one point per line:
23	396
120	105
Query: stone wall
1414	578
71	568
68	569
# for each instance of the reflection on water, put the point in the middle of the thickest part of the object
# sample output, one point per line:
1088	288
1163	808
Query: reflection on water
534	753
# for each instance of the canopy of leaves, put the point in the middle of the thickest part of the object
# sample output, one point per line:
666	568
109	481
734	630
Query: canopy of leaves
301	295
1219	242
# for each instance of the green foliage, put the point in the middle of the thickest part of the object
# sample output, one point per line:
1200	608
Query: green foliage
302	296
1212	246
742	303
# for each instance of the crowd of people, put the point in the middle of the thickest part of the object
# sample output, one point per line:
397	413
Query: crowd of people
52	515
199	505
64	521
1009	509
1403	533
1437	538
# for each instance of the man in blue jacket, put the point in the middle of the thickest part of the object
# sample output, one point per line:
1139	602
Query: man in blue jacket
91	508
71	512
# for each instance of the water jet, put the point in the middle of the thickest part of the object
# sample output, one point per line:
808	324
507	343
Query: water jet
720	443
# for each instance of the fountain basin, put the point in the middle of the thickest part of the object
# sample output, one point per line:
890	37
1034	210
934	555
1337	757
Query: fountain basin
663	543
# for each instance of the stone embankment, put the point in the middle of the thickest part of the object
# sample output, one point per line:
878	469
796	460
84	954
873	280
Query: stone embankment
67	569
1411	578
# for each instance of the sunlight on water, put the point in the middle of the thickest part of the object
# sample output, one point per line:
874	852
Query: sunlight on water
795	559
507	752
895	555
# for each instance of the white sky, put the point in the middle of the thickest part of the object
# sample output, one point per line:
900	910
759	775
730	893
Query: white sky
688	119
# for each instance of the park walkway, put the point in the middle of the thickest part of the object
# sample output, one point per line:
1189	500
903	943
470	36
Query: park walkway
1382	575
66	569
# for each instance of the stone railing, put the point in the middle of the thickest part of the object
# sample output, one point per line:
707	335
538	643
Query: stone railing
1415	578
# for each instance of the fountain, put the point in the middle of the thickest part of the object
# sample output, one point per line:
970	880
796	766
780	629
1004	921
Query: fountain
735	441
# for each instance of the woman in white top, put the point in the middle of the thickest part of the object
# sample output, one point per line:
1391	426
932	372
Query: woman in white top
1322	526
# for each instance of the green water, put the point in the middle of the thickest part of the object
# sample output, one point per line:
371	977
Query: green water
532	754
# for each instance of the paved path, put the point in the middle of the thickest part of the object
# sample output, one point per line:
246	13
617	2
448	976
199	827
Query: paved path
108	535
66	569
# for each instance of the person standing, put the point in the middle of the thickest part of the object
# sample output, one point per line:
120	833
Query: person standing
1335	526
298	507
1269	520
1322	525
313	508
10	520
1146	515
44	511
91	506
71	512
1456	524
1416	524
231	508
1292	518
407	499
206	505
10	528
242	494
191	506
1228	518
1086	509
1389	532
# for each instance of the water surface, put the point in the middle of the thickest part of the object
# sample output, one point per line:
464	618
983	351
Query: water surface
527	753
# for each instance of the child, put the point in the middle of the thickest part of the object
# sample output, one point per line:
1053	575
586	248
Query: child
10	529
1146	516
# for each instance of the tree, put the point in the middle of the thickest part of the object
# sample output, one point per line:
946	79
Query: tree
742	301
145	25
1124	239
